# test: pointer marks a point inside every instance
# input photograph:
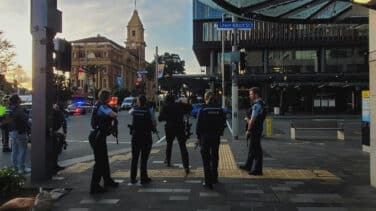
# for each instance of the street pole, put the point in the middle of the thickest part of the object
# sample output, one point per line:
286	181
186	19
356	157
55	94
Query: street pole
234	88
223	65
156	77
45	22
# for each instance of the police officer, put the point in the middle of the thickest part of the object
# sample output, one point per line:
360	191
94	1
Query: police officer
142	127
173	113
254	131
58	122
101	121
4	119
210	125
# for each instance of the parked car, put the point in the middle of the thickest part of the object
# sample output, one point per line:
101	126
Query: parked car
80	108
197	106
127	103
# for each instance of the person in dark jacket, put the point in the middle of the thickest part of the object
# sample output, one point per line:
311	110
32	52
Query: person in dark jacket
254	131
18	129
102	125
173	113
58	122
4	119
142	127
211	121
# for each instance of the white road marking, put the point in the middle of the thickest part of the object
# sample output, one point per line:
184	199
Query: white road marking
160	140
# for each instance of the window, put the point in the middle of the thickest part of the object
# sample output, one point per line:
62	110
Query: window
104	84
133	33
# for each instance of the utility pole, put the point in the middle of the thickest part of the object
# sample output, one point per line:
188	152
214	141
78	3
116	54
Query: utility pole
223	65
156	77
234	88
45	23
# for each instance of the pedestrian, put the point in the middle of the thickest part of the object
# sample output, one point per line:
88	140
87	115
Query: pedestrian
142	127
256	114
59	139
173	113
102	121
18	129
211	122
4	121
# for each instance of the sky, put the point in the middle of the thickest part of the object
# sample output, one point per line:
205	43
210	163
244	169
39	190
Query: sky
167	23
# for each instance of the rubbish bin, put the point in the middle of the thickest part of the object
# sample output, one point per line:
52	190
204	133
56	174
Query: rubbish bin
276	110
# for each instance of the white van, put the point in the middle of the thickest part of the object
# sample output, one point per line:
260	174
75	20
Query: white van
127	103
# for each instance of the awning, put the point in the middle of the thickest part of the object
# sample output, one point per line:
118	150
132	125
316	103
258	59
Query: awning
298	11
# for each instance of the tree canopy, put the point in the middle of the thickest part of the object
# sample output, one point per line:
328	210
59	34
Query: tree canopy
173	65
7	53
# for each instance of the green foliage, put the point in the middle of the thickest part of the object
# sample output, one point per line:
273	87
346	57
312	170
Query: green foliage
10	182
63	90
7	53
173	65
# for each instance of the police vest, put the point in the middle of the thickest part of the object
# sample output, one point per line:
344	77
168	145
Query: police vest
142	122
259	121
101	122
213	120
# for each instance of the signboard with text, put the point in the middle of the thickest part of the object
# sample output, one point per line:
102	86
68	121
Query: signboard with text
227	25
366	115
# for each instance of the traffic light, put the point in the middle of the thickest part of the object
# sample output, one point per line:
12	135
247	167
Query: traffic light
243	61
63	55
137	84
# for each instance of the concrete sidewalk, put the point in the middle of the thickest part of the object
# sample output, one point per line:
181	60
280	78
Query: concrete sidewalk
308	175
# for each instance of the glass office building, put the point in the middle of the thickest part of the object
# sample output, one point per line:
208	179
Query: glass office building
301	67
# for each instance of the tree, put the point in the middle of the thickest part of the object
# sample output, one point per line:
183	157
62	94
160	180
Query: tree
7	53
173	65
62	89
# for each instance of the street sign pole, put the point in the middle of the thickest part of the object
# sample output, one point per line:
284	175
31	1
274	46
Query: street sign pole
223	66
156	78
234	87
45	22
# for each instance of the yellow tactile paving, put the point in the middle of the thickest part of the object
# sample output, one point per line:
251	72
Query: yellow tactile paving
155	151
226	158
268	174
121	157
78	168
227	168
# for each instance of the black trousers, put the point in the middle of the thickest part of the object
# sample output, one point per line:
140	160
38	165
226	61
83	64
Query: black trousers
171	133
101	166
141	143
255	154
5	136
209	153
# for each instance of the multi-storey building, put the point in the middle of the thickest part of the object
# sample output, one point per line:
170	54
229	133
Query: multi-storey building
313	67
98	62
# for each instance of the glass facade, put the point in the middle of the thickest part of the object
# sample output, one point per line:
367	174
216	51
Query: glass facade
346	60
202	10
264	31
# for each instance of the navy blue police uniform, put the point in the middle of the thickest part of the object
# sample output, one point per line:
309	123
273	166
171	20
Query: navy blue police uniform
173	114
141	142
211	122
255	150
101	124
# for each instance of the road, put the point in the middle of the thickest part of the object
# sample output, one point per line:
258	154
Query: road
78	145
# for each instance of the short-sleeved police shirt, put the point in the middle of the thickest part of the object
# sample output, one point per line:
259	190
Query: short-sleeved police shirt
104	110
255	110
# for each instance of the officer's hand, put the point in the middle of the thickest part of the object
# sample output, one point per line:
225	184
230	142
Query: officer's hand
247	133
